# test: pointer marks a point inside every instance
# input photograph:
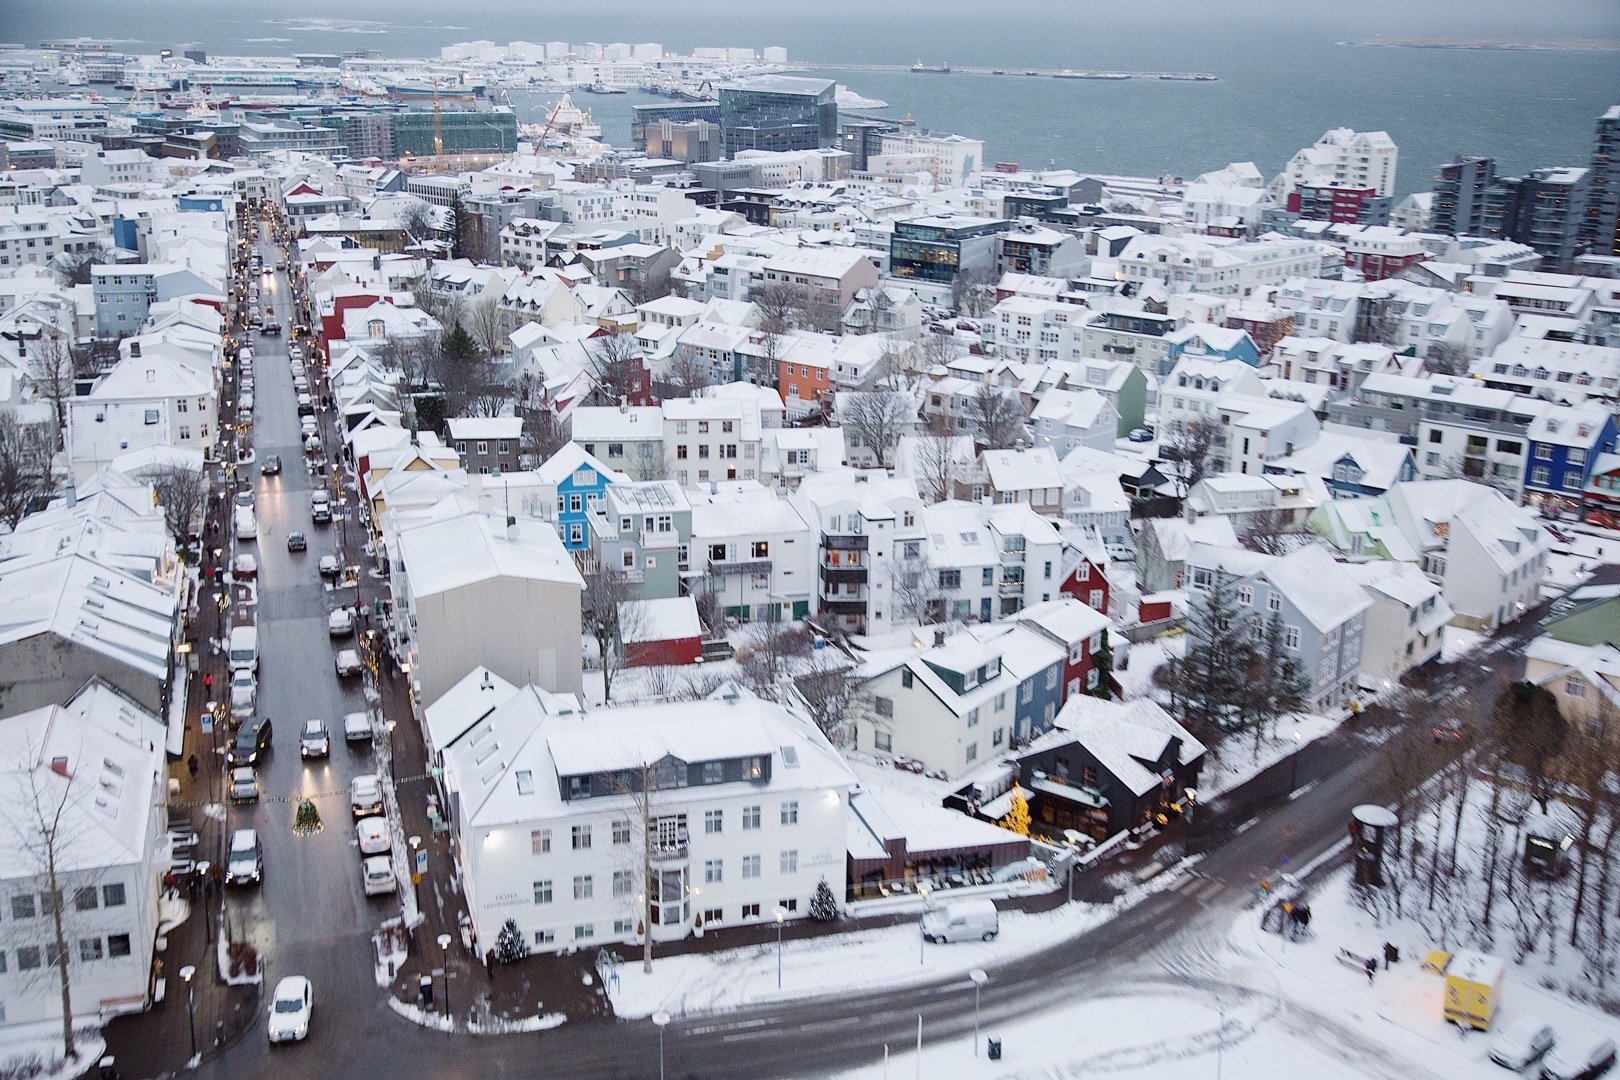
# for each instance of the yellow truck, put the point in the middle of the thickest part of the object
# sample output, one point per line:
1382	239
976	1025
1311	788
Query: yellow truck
1473	989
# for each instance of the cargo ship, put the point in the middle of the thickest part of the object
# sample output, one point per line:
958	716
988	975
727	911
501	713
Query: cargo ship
920	68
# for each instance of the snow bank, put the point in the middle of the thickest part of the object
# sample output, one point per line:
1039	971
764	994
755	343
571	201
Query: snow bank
863	959
487	1026
35	1051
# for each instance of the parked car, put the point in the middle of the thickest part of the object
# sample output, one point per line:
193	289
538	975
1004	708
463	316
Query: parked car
270	466
272	329
962	920
244	500
297	541
348	663
243	865
377	873
365	795
1585	1056
306	407
356	727
312	444
245	567
244	785
372	835
328	566
1521	1041
251	743
244	692
313	741
244	405
341	622
290	1009
1140	435
320	506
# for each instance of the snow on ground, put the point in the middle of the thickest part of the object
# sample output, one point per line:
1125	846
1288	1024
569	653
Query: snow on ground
1137	680
1456	642
488	1026
1235	760
862	959
878	775
34	1051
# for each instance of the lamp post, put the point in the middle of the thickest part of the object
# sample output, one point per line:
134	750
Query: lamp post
781	917
923	889
1293	765
444	959
979	979
416	879
186	974
660	1020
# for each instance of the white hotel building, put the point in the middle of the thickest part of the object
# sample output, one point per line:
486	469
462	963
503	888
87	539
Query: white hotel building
747	814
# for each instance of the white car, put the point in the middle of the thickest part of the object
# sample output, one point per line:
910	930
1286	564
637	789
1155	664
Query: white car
347	663
1520	1041
365	795
341	622
378	874
356	727
328	566
245	567
244	692
290	1009
372	835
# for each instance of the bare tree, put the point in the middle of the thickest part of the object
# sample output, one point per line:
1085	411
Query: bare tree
781	306
1382	324
76	268
827	687
649	287
544	432
770	654
486	323
915	591
998	415
1270	532
182	491
973	290
936	350
689	372
617	364
25	468
419	222
876	419
411	357
50	370
1189	451
611	613
45	829
935	462
1447	358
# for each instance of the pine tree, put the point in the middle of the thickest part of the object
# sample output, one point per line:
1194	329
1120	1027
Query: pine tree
823	905
510	945
306	819
1212	677
1277	684
1103	661
1017	819
457	226
458	346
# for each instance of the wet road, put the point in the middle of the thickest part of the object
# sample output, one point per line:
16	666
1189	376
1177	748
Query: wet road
310	915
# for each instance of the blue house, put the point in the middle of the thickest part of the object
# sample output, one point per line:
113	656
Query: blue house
1036	662
1207	339
1564	443
580	480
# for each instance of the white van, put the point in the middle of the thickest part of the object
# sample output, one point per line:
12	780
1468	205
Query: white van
247	525
962	920
320	506
245	648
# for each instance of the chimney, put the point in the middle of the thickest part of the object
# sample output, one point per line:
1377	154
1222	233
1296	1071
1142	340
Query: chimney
134	348
511	528
939	637
59	766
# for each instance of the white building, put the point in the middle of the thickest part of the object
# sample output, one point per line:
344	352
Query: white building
869	525
100	758
710	439
577	825
757	552
1342	158
1222	267
143	401
1403	628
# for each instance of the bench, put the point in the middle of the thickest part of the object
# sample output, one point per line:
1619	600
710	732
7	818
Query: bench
1355	960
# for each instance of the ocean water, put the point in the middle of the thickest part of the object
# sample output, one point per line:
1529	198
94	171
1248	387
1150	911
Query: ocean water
1286	74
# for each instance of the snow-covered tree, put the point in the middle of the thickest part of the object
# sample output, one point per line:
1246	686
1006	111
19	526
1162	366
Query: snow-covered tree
823	905
510	945
1017	819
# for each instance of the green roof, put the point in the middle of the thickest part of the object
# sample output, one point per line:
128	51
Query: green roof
1593	623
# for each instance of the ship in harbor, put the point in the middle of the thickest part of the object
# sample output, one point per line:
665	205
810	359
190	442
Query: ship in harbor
1111	76
920	68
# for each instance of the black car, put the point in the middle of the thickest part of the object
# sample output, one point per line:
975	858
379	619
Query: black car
271	466
251	743
296	541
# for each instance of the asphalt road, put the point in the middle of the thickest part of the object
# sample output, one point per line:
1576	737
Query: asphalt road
310	916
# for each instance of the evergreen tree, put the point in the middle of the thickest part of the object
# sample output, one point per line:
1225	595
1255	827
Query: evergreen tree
456	226
823	905
510	945
1017	819
1211	679
306	819
1277	683
458	346
1103	661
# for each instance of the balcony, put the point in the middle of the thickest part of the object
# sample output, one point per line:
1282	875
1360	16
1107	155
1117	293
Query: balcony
668	852
843	606
1012	555
1010	588
845	543
652	540
739	567
844	575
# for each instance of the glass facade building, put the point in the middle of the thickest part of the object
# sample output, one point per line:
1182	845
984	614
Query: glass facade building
779	112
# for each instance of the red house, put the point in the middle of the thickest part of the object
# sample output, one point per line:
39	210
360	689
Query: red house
662	633
1078	629
1087	582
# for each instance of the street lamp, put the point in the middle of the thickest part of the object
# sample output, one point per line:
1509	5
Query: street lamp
416	879
1293	765
923	889
660	1020
781	917
444	954
979	979
186	974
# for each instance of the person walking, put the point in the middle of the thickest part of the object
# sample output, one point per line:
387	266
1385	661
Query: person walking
191	766
208	683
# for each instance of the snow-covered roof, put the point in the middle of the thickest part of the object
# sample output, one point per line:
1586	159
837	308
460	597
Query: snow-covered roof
85	602
471	699
877	816
485	427
1022	470
670	618
1123	735
447	554
1318	586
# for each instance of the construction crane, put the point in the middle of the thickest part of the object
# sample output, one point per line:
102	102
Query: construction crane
438	128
